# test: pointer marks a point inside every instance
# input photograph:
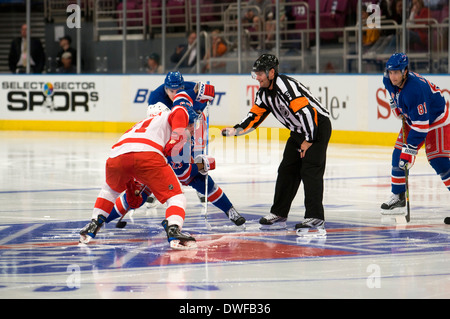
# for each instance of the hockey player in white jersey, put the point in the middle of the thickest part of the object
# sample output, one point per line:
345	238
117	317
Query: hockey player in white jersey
193	173
140	155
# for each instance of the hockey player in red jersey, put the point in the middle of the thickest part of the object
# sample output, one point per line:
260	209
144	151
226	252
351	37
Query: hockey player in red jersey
140	154
190	172
426	114
193	169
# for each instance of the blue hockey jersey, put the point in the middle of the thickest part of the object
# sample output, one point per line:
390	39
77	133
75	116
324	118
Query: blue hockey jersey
185	170
160	95
421	103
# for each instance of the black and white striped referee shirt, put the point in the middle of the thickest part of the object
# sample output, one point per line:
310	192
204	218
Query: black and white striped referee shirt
291	103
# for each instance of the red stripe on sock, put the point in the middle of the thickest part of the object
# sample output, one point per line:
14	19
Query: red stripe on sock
104	204
119	205
175	210
398	180
216	195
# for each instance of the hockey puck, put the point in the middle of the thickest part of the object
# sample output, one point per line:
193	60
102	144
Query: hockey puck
447	220
121	224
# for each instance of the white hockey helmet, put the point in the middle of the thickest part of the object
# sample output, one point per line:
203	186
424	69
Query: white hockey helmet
154	109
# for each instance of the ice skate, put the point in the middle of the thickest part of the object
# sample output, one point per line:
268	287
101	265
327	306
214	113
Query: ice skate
177	239
311	227
272	222
235	217
90	230
394	205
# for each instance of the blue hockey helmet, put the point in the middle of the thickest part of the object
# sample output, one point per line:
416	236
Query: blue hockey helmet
174	80
398	61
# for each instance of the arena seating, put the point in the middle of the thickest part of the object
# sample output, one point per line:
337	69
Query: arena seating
334	15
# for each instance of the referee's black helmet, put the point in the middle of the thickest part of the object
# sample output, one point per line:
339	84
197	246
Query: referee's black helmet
265	63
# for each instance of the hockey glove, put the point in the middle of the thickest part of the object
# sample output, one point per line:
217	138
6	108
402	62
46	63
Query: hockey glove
176	142
395	109
133	194
408	156
209	163
205	92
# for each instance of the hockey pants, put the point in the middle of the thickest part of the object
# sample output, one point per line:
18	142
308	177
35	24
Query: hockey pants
437	148
310	170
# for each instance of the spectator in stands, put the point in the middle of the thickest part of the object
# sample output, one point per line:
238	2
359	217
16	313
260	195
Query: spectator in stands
263	5
153	64
418	38
67	66
218	48
253	18
270	30
182	49
17	57
252	23
288	19
396	14
65	46
396	11
435	4
387	44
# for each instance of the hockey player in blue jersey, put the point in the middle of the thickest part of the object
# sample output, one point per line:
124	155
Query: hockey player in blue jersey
426	113
189	172
166	92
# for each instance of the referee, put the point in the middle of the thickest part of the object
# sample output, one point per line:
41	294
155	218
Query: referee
304	155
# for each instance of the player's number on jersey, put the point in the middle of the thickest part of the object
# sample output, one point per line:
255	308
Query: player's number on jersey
144	126
141	127
422	109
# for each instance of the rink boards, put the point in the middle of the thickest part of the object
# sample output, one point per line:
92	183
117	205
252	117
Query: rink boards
112	103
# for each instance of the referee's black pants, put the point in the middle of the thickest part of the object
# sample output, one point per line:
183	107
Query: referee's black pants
310	169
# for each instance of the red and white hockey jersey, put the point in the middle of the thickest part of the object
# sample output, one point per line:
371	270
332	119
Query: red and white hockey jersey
151	134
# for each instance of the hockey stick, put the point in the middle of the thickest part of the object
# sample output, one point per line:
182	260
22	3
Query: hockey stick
208	226
408	215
